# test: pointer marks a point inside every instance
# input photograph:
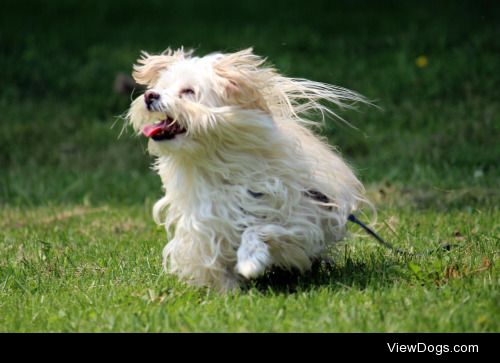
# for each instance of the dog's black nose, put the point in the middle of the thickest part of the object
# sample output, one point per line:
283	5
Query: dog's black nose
150	97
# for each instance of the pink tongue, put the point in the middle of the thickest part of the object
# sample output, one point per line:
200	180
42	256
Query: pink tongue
151	130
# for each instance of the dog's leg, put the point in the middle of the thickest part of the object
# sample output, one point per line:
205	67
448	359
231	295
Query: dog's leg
253	254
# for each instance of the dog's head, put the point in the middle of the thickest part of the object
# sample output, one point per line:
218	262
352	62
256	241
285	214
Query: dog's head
187	96
198	101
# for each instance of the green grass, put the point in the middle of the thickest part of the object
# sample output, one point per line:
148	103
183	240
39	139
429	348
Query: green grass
99	270
79	250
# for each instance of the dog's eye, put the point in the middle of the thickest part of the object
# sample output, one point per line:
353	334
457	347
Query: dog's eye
187	92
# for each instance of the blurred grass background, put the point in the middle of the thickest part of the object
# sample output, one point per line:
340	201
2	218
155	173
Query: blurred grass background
438	127
79	250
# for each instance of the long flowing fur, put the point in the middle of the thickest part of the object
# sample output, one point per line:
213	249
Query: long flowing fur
238	185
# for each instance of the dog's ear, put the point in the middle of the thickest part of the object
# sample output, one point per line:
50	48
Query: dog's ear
245	79
148	67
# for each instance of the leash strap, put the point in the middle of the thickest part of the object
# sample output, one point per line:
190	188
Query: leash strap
320	197
352	218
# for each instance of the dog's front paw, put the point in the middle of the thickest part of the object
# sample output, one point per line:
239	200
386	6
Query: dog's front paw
250	269
251	265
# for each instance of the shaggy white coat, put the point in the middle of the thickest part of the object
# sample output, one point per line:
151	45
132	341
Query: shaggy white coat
238	182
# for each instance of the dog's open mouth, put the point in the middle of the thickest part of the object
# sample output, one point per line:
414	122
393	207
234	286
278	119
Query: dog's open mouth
164	130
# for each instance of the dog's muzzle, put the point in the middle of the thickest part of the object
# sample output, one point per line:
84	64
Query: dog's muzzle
152	98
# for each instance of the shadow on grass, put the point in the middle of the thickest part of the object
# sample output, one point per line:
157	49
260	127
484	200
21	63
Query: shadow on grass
350	274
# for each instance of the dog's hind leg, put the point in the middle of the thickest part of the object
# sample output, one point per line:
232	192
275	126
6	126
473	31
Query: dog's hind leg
253	254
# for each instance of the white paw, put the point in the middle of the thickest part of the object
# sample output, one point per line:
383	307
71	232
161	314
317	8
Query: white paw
249	269
253	255
254	264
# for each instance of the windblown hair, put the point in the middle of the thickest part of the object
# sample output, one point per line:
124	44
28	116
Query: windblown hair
249	185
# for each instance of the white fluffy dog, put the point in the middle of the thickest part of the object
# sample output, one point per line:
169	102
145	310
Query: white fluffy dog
247	184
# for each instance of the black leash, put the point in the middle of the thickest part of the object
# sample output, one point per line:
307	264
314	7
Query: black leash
320	197
352	218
